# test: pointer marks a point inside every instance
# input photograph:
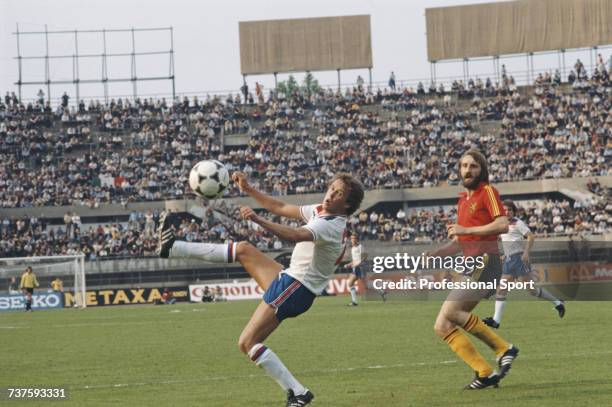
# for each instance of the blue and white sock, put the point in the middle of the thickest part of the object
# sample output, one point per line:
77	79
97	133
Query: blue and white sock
212	252
268	361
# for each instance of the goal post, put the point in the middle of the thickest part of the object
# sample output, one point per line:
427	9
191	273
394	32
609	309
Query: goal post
70	269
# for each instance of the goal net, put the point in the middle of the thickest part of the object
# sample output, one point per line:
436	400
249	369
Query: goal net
62	273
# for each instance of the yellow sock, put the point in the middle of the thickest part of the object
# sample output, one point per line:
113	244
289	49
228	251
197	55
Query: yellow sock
479	329
463	347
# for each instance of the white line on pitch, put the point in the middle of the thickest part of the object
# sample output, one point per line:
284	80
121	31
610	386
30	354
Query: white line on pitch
84	324
251	376
336	370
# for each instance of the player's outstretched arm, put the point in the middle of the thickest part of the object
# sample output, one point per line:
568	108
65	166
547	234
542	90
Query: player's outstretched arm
286	233
272	205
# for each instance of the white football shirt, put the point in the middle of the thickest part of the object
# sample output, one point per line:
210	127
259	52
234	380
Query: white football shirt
512	241
313	263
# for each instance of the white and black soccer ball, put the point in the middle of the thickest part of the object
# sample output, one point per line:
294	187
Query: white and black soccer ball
209	178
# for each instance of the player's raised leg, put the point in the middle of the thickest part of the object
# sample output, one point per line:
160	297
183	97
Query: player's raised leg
168	246
263	269
259	266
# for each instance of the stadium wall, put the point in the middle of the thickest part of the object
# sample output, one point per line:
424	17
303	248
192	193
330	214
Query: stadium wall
516	27
151	272
305	44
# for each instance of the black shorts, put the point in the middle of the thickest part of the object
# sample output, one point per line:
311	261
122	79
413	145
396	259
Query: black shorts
29	290
491	271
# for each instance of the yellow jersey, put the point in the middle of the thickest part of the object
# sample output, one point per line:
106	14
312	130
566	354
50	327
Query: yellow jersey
28	280
57	285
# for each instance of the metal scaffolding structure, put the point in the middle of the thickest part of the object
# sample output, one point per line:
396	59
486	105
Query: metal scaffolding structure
104	57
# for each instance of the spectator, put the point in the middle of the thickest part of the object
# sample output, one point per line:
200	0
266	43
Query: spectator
12	286
244	89
259	93
401	215
219	297
41	97
167	297
57	285
392	81
208	295
65	99
579	67
360	83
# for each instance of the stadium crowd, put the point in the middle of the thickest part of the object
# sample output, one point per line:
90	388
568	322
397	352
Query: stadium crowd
545	218
143	150
137	237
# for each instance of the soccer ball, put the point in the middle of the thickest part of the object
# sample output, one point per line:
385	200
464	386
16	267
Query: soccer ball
209	178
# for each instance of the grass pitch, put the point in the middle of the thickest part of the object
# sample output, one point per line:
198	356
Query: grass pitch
372	355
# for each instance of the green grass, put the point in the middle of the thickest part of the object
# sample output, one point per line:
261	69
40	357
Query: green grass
372	355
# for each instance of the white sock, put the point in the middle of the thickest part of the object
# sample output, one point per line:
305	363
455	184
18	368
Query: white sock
353	291
543	293
499	310
266	359
213	252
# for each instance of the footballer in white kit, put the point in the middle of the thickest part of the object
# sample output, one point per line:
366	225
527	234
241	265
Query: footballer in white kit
355	266
516	265
320	246
357	272
313	262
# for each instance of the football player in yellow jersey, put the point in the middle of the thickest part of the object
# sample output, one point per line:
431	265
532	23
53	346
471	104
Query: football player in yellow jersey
28	282
57	285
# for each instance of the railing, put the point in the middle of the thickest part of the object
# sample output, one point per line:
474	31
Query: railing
521	77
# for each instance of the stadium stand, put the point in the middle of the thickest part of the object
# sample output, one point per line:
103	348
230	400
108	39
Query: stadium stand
133	151
142	150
